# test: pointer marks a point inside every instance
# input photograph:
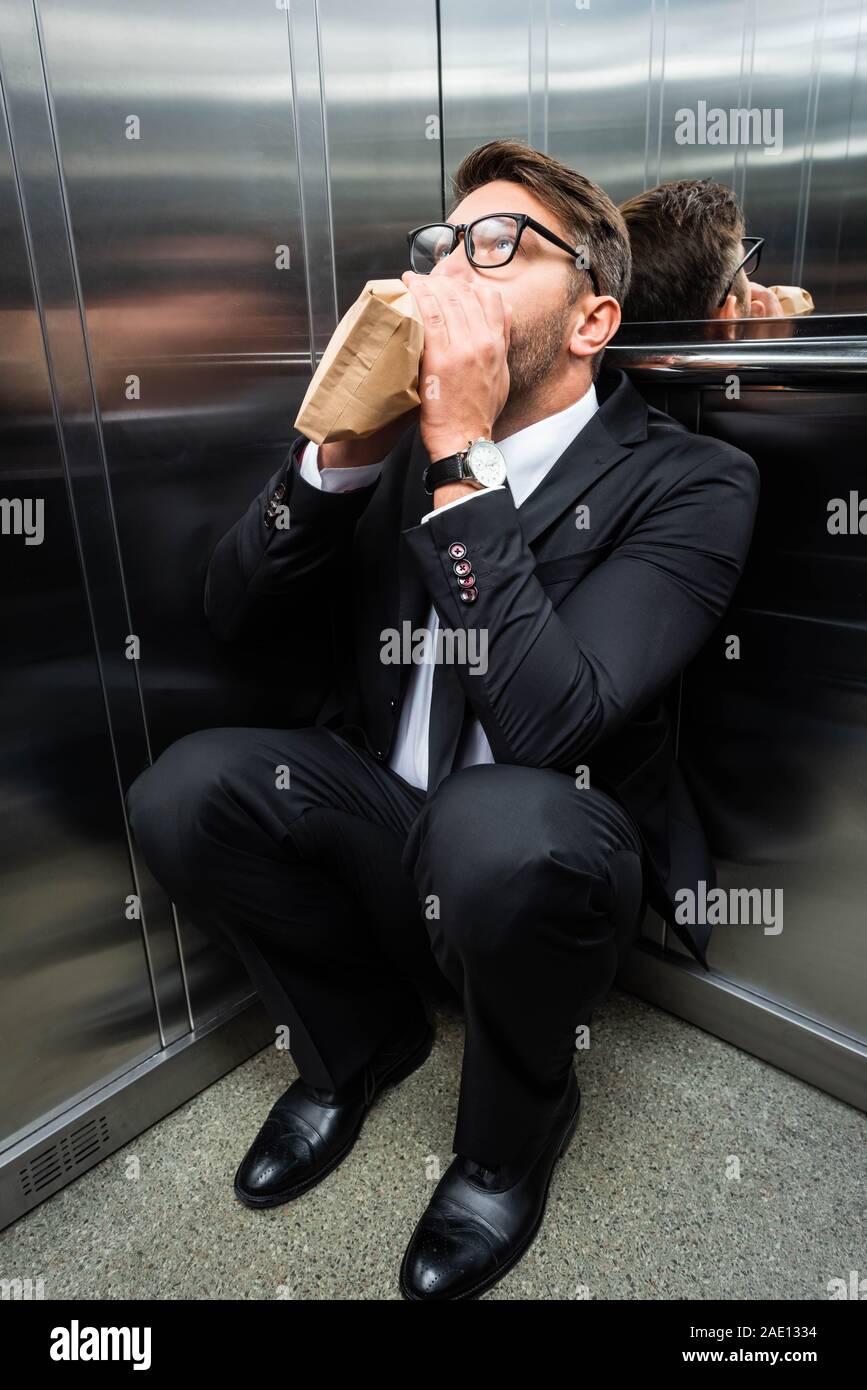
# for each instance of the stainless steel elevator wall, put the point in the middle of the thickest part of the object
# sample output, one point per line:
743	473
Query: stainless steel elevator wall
190	196
599	86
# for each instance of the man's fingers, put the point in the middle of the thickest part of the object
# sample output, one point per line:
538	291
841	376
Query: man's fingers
436	328
764	303
487	308
454	304
444	323
455	309
473	306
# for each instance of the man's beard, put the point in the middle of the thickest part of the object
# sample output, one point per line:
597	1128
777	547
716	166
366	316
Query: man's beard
534	351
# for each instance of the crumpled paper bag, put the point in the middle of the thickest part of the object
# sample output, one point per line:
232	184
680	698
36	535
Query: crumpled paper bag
793	299
369	371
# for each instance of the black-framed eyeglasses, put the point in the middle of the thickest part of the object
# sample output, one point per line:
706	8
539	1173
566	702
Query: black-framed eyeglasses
749	262
489	242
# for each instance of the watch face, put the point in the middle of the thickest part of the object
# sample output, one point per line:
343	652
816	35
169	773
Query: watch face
486	463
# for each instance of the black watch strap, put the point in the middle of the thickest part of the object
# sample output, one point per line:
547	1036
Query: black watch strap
452	469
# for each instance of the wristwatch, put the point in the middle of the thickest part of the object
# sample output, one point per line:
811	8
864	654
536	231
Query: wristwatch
481	463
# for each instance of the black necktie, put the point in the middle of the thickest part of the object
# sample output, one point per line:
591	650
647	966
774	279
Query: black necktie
450	716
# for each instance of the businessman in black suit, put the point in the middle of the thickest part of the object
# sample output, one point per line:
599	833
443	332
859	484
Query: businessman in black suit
495	818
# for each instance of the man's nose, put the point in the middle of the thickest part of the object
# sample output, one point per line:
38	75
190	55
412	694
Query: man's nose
455	264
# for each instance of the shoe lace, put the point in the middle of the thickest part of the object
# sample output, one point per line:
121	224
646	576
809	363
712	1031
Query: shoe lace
481	1170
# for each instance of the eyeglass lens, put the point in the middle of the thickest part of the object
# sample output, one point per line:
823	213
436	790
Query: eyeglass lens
491	243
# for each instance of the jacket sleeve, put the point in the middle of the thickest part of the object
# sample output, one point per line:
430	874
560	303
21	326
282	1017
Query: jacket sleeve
559	681
271	565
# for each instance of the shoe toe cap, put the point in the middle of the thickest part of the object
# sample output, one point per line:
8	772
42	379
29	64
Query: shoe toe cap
447	1256
267	1170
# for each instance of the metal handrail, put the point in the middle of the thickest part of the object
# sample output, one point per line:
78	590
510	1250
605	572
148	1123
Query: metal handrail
780	350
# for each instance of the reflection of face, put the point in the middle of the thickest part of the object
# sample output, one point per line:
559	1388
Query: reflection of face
536	283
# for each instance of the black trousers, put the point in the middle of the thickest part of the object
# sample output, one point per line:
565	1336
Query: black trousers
347	892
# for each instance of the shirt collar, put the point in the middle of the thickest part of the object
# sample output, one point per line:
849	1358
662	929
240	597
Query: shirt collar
532	451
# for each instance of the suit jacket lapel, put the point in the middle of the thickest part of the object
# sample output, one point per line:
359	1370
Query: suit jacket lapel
590	455
592	452
559	490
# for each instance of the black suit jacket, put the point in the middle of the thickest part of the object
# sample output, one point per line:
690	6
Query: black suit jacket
587	628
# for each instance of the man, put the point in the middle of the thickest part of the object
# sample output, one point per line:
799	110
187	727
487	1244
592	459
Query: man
503	818
688	256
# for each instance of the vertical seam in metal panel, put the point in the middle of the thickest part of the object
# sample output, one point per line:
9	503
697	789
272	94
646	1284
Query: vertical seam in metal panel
300	171
64	205
183	963
649	93
748	32
321	71
440	109
658	178
530	72
545	132
856	65
533	120
88	355
742	192
809	147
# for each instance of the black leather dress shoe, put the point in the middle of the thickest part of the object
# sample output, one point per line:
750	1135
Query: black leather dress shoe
480	1221
309	1131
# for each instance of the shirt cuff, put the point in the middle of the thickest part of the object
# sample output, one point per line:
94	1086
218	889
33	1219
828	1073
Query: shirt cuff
456	501
335	479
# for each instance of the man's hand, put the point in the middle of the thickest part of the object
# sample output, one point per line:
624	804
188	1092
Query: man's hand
463	376
764	304
354	453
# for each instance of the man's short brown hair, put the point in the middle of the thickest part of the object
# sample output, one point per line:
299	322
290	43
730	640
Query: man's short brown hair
686	242
587	215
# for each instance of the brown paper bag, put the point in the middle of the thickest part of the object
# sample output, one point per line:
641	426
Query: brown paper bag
368	375
793	299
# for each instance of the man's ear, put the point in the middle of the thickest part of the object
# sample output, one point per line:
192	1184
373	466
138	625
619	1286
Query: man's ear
601	320
729	309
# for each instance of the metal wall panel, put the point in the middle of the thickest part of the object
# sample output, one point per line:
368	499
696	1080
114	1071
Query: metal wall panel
77	1003
216	249
490	99
773	743
600	87
834	257
600	119
191	277
45	209
380	91
198	327
761	55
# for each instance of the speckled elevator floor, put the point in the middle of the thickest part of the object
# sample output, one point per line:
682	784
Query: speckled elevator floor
646	1203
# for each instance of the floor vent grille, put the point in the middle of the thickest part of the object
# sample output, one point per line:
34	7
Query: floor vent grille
72	1151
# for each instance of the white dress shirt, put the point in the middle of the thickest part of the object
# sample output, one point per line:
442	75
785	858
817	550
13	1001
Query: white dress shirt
529	454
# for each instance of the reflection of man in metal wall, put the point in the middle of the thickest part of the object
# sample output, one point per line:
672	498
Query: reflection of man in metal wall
494	831
691	260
